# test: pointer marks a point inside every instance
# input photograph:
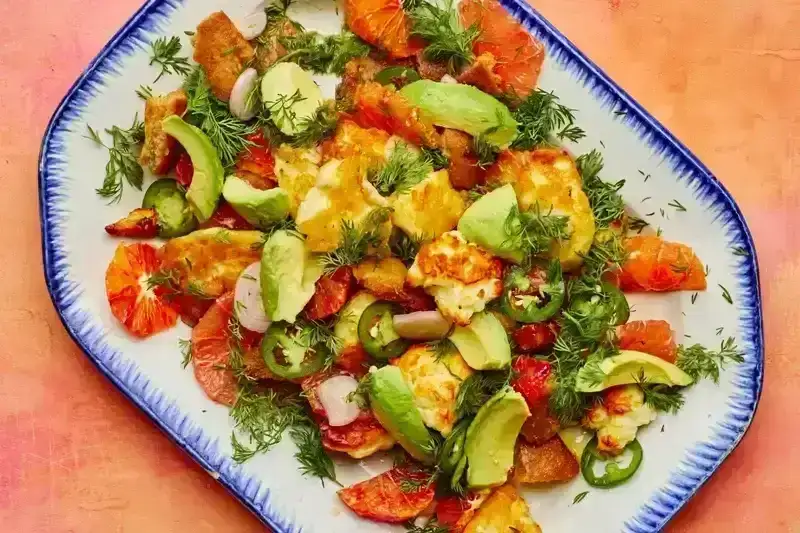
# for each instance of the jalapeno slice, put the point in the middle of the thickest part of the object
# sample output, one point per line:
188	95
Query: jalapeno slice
453	448
607	303
287	354
534	295
614	474
398	76
377	334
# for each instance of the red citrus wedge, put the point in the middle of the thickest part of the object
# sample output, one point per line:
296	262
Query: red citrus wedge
652	337
256	165
657	265
382	23
141	309
395	496
378	106
519	56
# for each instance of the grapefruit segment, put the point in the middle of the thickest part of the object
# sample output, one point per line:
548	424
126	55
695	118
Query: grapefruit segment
382	23
653	337
657	265
143	310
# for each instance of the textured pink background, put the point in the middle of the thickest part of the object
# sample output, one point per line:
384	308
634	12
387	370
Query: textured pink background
723	75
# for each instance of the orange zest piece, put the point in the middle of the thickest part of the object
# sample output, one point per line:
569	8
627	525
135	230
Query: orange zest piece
142	309
657	265
652	337
382	23
519	56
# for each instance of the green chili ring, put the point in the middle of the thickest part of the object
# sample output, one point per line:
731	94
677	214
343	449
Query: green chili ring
614	475
313	358
376	333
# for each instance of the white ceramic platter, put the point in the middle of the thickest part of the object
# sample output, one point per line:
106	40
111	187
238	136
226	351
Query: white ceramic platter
681	451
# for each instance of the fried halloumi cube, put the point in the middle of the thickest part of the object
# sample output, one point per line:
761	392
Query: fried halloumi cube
549	179
434	382
429	208
296	170
617	417
381	276
342	193
159	149
461	276
211	260
350	139
222	52
504	511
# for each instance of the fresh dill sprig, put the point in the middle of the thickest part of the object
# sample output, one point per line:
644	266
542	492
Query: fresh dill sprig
311	130
287	224
322	54
185	346
355	242
314	460
164	53
437	159
726	294
406	247
535	231
447	41
441	348
580	497
122	165
402	170
700	362
662	398
144	92
604	198
282	109
227	133
542	119
637	224
313	333
478	388
262	417
485	151
431	527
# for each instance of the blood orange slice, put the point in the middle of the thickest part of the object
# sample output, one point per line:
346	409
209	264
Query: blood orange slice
395	496
519	56
377	106
142	309
657	265
652	337
382	23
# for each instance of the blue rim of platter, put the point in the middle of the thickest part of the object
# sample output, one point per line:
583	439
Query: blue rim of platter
699	463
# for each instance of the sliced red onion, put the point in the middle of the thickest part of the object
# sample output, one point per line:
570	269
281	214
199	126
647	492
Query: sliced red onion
247	303
333	394
422	325
244	86
252	25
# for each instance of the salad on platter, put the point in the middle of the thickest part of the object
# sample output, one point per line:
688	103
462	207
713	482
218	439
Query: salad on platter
414	263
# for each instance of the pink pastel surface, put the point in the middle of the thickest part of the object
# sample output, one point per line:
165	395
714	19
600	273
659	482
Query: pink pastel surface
723	75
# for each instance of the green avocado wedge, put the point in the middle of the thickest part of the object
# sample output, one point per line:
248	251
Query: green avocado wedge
491	438
483	343
206	187
630	366
288	276
260	208
393	405
463	107
486	224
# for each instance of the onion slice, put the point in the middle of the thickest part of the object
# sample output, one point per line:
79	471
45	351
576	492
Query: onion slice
247	304
252	25
422	325
244	86
332	394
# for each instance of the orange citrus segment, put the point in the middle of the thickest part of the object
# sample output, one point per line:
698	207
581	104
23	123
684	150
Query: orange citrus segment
377	106
519	56
141	309
652	337
657	265
382	23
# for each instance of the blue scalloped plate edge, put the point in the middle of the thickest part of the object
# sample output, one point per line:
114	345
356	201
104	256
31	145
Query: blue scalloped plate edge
696	468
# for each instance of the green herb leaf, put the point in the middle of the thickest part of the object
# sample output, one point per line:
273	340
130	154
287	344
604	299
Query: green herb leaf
447	41
700	362
579	497
402	171
314	460
262	418
164	53
122	165
604	198
542	120
356	242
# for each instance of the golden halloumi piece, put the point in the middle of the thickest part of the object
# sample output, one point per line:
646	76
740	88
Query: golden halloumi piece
341	193
350	139
549	179
296	169
504	511
434	384
618	417
222	51
430	208
211	259
159	149
461	276
381	276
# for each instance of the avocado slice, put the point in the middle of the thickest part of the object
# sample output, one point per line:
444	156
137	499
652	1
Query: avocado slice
346	328
483	343
291	95
260	208
288	275
463	107
485	224
491	438
629	366
208	176
393	405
